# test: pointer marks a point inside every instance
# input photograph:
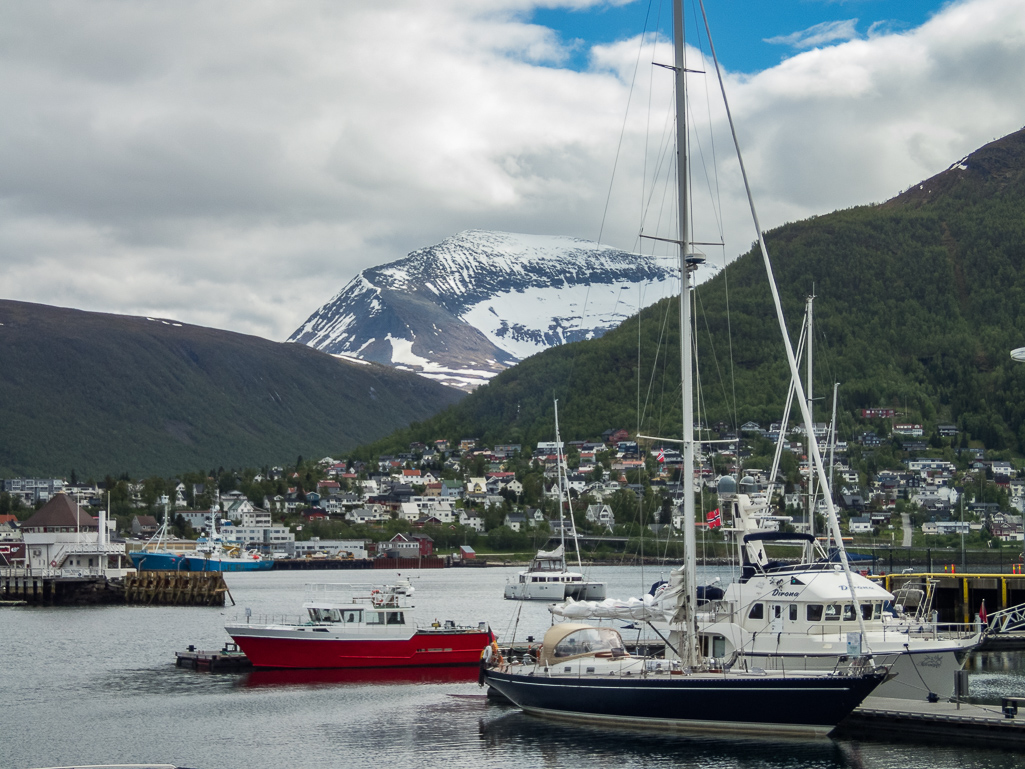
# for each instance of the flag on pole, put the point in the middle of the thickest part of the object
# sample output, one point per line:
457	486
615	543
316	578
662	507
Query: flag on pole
661	455
713	519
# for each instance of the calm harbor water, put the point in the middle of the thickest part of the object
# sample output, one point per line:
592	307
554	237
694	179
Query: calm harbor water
98	685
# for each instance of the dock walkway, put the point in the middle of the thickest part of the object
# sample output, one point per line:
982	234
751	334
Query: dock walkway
886	718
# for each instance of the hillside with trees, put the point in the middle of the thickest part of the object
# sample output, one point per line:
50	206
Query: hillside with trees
918	304
92	394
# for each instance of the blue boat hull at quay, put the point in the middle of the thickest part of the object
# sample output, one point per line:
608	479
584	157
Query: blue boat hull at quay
769	705
170	561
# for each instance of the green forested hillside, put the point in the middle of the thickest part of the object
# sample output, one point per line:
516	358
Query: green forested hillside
102	394
919	302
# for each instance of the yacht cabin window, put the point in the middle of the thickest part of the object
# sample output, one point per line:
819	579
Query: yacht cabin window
793	612
757	611
814	612
590	641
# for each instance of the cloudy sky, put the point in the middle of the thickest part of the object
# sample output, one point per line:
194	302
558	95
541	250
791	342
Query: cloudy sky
234	164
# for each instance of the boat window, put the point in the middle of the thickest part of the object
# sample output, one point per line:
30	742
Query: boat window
396	618
866	611
352	616
375	618
589	641
833	612
777	611
793	612
757	611
815	612
848	612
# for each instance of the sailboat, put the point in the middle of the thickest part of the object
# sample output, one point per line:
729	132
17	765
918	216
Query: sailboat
547	578
584	673
798	616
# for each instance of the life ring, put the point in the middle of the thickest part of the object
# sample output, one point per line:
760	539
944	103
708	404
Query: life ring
53	563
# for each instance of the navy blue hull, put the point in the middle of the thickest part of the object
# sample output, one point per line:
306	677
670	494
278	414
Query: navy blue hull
756	704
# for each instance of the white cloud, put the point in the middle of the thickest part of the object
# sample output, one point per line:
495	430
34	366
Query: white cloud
235	164
819	34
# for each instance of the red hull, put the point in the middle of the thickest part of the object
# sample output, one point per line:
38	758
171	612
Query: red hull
421	650
461	674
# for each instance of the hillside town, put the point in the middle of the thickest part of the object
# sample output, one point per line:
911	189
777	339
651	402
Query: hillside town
455	496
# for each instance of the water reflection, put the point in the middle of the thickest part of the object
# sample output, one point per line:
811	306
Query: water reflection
436	675
507	732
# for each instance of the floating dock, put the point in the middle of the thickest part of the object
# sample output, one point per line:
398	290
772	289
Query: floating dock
886	718
230	659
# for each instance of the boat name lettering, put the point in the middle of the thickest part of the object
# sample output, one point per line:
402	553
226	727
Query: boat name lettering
777	593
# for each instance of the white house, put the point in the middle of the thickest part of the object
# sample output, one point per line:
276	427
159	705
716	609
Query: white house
61	536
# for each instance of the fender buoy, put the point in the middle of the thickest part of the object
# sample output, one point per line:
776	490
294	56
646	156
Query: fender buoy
486	654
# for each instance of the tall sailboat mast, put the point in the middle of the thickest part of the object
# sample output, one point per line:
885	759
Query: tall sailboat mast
686	364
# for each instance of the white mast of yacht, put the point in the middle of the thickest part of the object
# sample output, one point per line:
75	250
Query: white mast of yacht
688	614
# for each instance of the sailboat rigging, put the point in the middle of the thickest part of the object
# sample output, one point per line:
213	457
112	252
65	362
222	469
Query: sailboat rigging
584	673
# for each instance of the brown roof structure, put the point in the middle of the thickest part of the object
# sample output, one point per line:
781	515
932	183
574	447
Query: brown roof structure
61	512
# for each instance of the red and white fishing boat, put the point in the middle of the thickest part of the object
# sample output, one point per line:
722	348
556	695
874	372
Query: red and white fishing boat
353	626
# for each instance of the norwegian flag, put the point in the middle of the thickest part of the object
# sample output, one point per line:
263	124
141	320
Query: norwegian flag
713	519
661	456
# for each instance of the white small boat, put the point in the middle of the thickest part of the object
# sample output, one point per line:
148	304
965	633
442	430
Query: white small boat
548	579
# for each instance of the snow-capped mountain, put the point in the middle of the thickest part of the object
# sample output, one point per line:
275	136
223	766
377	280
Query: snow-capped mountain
463	310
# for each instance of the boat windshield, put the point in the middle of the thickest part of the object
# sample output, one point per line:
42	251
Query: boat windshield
590	641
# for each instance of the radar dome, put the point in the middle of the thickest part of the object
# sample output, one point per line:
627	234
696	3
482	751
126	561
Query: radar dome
727	485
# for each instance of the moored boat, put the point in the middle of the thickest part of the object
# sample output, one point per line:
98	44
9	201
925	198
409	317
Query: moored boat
210	554
583	673
548	579
352	626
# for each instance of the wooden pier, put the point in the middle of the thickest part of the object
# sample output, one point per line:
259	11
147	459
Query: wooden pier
176	588
54	590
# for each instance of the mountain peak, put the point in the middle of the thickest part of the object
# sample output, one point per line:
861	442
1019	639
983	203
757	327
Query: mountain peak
465	309
989	171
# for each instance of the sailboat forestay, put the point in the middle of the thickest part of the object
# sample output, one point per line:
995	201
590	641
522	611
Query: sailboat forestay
584	673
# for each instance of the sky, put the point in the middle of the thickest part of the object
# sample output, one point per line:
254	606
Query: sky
235	164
